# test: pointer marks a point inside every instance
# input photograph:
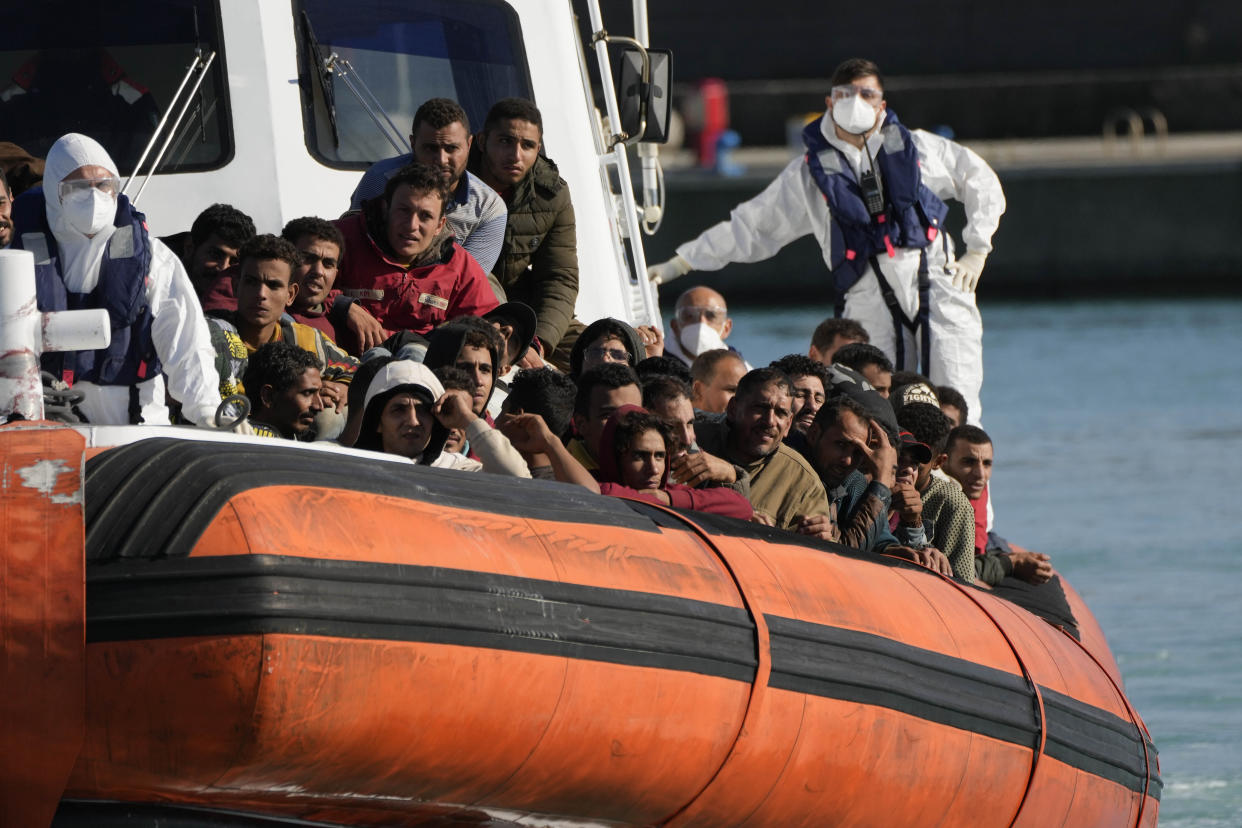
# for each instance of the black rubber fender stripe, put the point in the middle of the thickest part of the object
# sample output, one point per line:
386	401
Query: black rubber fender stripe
155	498
235	595
78	813
1046	600
850	665
250	594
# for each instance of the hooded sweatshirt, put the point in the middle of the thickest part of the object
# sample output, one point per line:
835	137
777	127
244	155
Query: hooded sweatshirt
178	328
496	454
444	346
716	501
633	343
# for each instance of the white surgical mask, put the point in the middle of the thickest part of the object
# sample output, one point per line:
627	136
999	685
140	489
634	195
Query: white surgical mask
89	211
853	114
700	337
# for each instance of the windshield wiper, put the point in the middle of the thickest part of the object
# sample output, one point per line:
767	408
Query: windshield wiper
334	64
322	74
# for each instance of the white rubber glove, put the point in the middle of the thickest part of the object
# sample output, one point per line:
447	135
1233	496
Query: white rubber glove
967	270
668	271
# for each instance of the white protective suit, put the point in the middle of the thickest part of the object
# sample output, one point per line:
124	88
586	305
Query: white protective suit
178	327
792	206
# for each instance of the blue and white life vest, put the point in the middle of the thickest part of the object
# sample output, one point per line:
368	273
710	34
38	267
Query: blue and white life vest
913	214
121	290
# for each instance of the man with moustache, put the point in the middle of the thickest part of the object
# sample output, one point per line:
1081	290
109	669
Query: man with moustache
784	489
857	464
321	247
441	139
872	193
810	388
285	391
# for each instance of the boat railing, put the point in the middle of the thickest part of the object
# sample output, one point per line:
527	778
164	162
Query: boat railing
1135	122
335	64
26	333
632	222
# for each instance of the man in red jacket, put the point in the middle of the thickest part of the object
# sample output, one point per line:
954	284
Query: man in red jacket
404	268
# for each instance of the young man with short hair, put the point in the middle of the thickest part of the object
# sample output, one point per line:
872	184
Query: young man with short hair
321	247
285	386
265	290
968	460
833	333
404	269
440	138
669	398
939	500
857	464
538	262
536	418
211	249
953	404
601	391
811	382
869	361
716	375
634	452
546	392
470	345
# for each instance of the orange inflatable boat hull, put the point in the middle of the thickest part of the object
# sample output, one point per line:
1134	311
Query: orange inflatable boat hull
281	633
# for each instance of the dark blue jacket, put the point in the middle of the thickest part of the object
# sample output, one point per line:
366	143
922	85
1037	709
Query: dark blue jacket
121	290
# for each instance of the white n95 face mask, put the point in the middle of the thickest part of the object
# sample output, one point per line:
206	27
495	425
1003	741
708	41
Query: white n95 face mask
700	337
853	114
89	211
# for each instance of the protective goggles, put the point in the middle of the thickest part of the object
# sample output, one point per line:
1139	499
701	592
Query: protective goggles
110	185
690	315
871	96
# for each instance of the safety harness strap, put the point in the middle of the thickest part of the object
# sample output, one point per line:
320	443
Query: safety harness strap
919	326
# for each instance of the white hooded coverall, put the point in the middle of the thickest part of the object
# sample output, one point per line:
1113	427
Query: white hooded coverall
793	205
178	327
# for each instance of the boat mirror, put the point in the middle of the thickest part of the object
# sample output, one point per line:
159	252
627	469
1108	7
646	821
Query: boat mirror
644	94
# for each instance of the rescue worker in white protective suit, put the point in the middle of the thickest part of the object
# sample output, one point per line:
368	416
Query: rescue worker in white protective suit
871	191
92	250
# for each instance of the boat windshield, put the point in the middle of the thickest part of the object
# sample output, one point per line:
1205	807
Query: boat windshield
403	53
109	70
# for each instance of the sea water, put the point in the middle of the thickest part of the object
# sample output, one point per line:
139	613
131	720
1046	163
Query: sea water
1118	437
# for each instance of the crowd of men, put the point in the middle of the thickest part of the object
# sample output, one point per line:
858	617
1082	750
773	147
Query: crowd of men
434	321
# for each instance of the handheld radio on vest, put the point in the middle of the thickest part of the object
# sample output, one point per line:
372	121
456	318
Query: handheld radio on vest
872	188
873	195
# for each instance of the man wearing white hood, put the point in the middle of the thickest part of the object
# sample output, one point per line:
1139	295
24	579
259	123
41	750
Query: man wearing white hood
700	324
872	193
92	250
